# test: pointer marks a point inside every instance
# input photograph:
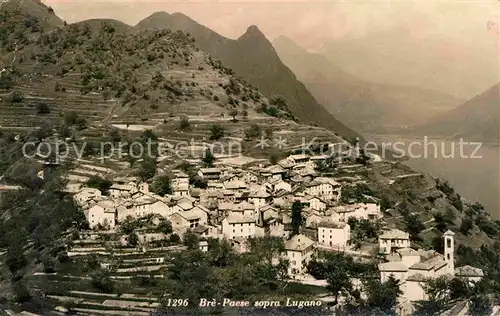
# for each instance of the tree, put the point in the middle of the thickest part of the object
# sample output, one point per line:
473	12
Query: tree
184	124
147	169
208	158
164	227
441	222
148	135
161	185
385	204
233	113
100	280
21	292
338	282
466	225
99	183
273	158
191	240
16	97
383	296
480	305
278	101
128	225
70	118
216	132
132	239
413	226
269	132
297	219
42	108
81	123
253	132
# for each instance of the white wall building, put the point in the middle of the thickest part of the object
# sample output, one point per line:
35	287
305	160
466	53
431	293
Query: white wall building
237	226
103	213
299	251
392	240
334	234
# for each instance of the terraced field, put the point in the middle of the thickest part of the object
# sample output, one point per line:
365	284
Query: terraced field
132	271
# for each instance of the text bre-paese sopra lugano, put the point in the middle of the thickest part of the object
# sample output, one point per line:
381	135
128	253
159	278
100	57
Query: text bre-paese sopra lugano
226	302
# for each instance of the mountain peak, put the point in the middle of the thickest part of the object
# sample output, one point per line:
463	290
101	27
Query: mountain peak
34	8
160	14
253	30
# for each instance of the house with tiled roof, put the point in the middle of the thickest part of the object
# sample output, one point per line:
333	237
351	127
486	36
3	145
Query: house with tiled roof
238	226
413	268
299	250
392	240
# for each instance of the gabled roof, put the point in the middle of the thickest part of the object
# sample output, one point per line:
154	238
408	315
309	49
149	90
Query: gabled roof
236	184
468	271
275	169
408	252
210	170
299	156
200	229
122	187
245	206
285	163
435	262
226	206
298	243
192	214
393	266
235	218
394	234
417	277
259	194
329	224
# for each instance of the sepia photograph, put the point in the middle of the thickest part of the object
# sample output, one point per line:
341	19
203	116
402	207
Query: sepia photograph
237	157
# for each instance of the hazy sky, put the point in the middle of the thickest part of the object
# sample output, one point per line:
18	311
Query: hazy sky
310	23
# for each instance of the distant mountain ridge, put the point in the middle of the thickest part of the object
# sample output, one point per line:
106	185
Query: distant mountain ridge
476	120
396	56
369	107
253	58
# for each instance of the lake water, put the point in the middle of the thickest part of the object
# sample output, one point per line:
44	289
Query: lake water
475	177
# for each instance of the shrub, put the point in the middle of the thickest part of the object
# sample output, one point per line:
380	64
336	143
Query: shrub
81	123
208	158
42	108
253	132
184	124
16	97
102	281
99	183
217	132
466	225
70	118
161	185
233	113
6	81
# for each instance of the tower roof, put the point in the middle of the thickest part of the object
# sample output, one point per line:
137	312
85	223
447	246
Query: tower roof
449	233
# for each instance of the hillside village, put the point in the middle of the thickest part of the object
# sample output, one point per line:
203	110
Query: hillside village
239	204
124	235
